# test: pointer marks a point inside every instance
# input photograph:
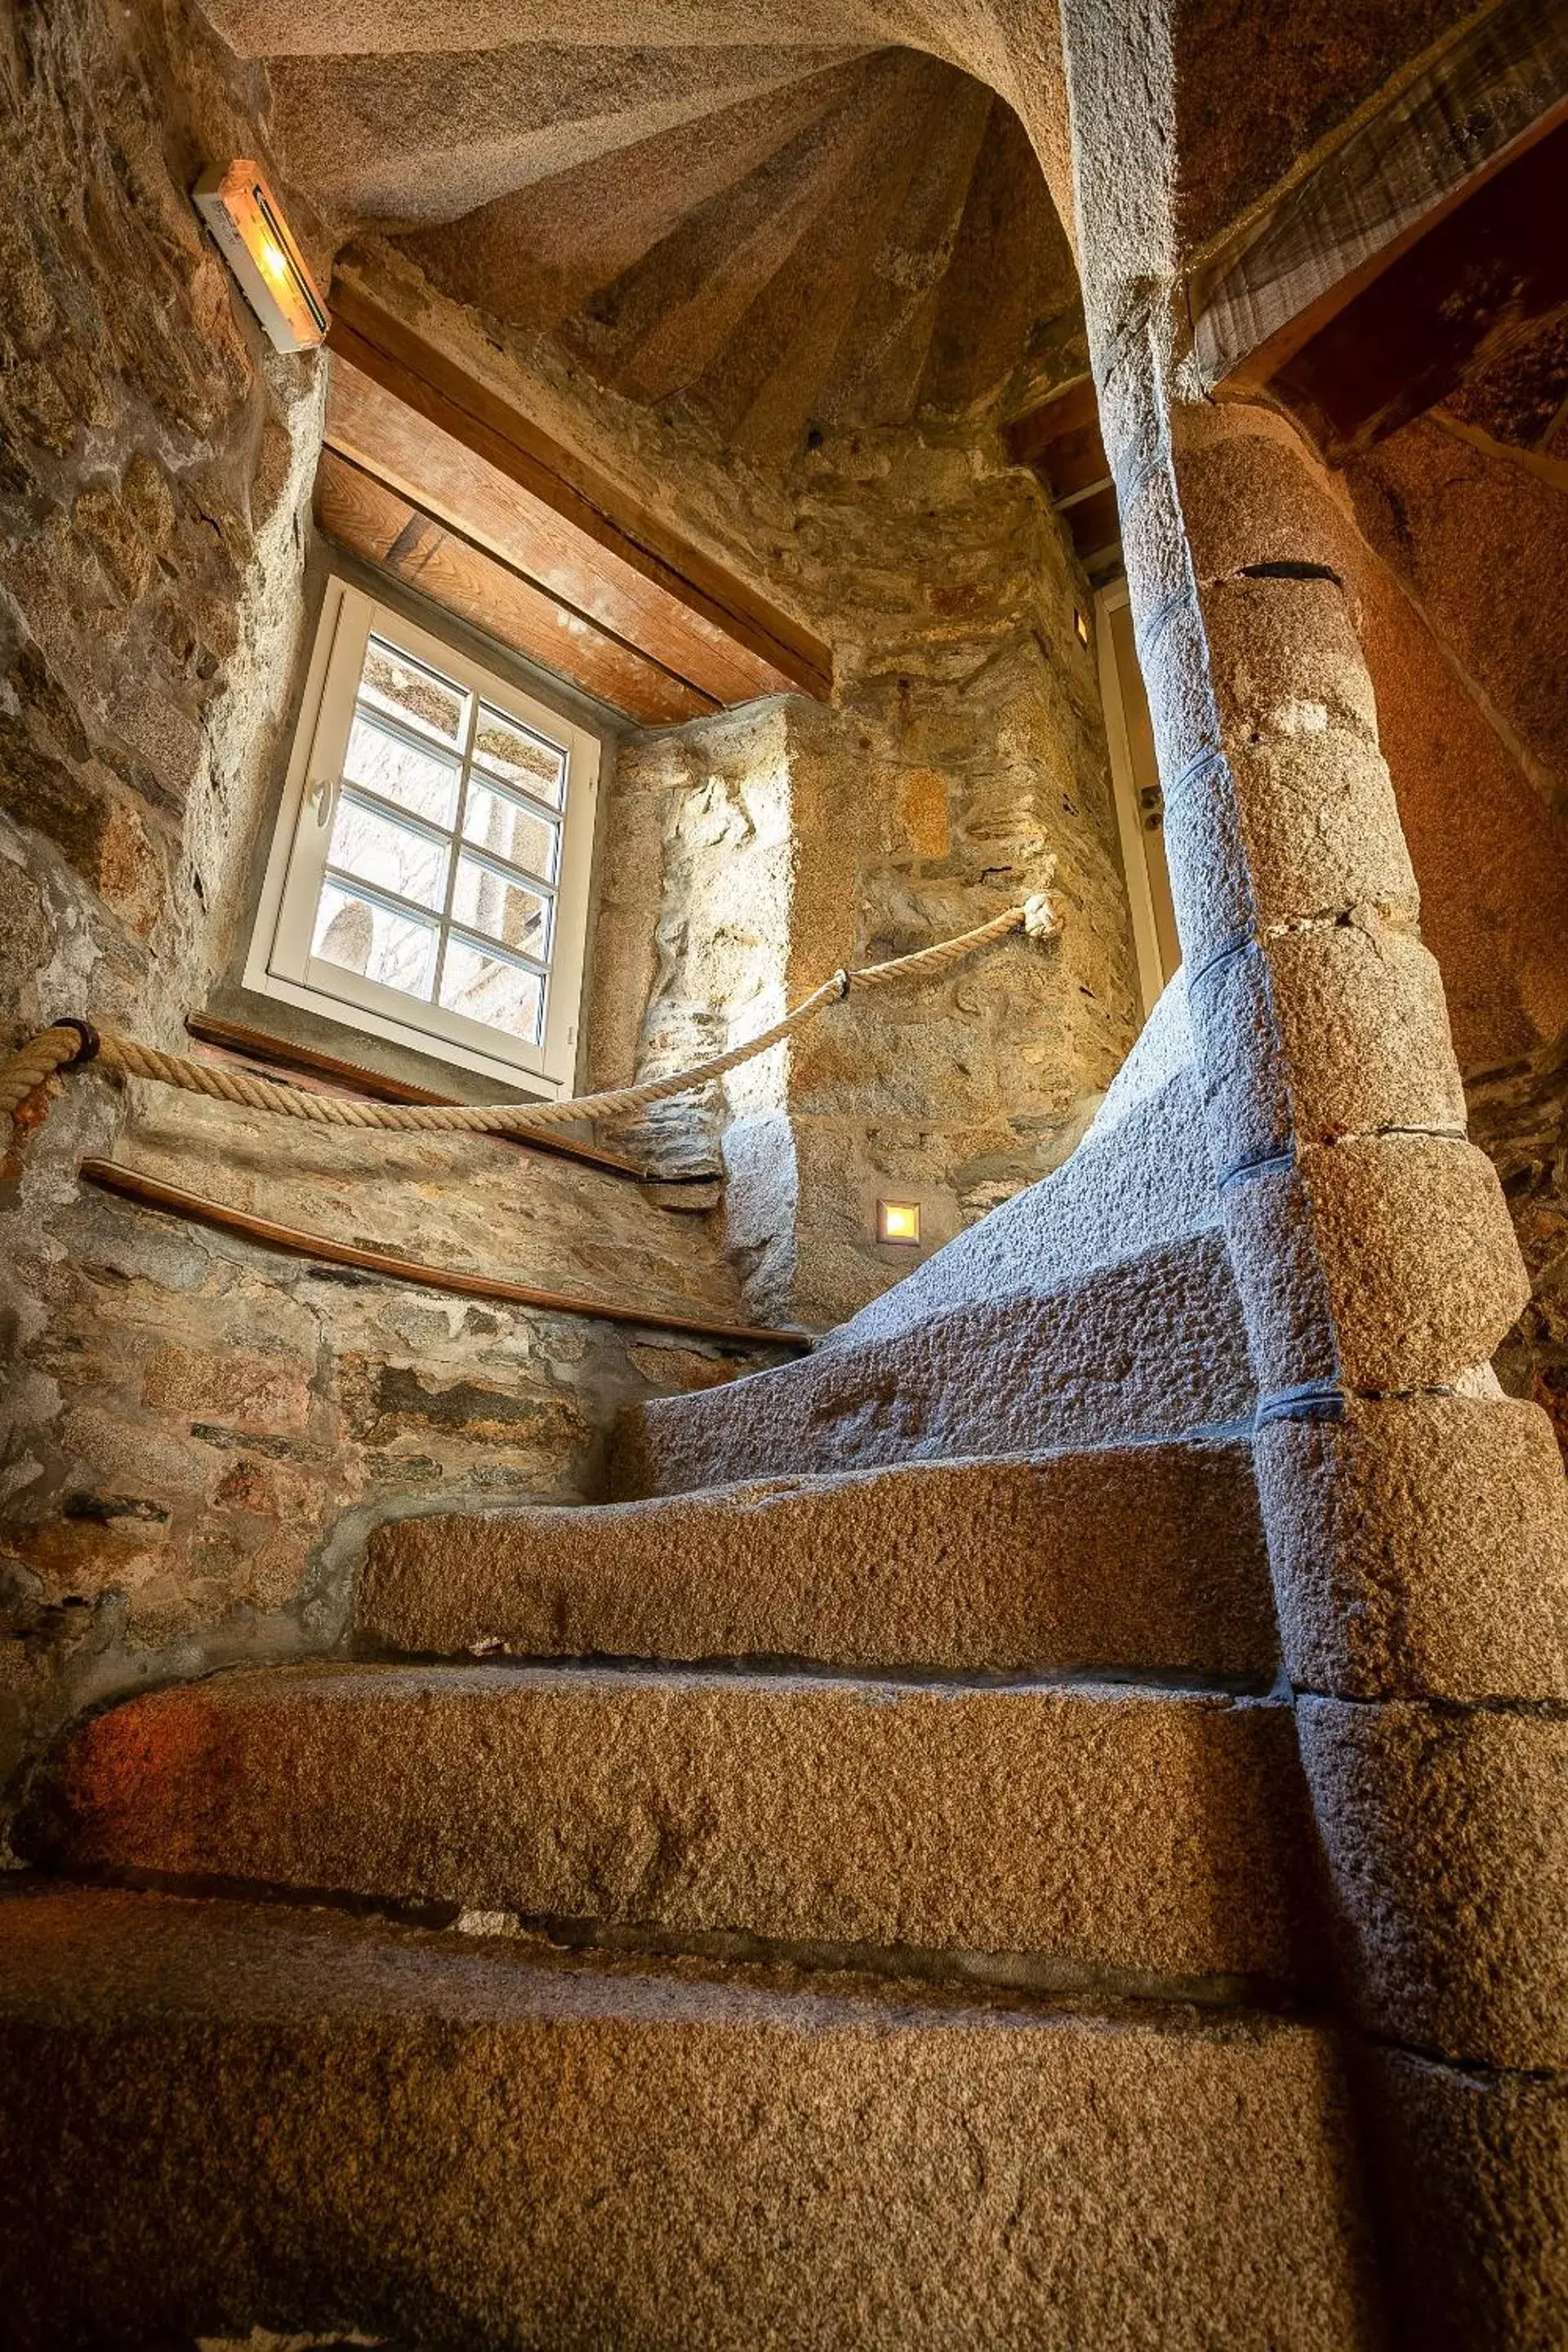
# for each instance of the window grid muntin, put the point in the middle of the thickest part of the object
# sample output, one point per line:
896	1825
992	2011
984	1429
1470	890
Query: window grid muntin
469	760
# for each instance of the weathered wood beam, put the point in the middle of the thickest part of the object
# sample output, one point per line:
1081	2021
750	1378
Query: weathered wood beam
1475	285
1060	442
786	656
152	1193
444	479
364	514
1495	92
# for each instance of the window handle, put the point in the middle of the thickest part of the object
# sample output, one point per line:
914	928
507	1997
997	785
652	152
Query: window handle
323	799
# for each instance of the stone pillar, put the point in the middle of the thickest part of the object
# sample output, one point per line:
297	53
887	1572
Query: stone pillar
1415	1518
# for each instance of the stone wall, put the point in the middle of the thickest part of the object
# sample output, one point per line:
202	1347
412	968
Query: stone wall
1460	576
197	1432
212	1428
961	767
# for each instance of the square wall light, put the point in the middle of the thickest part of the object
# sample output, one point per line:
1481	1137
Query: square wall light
256	241
899	1222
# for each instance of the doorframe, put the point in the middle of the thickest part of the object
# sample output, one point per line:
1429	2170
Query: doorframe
1129	820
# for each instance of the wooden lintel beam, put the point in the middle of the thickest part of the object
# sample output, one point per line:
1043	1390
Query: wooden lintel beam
1489	97
152	1193
382	347
1067	410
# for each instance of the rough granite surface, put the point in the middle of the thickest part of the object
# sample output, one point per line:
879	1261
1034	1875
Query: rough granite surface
1096	1825
707	2164
1148	1555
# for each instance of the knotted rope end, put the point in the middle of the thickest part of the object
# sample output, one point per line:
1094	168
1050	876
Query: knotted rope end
1042	917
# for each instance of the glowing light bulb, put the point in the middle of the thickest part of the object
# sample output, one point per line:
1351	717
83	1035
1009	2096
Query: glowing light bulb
272	259
898	1221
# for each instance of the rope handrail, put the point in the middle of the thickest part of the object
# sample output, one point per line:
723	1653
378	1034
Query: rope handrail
72	1043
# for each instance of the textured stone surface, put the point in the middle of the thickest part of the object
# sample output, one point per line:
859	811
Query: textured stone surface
962	767
1126	1828
1477	2198
1364	1032
1519	1117
1418	1256
1493	860
211	1428
1152	1347
1440	509
644	2160
153	460
1446	1835
1420	1548
1253	93
1149	1555
1141	1180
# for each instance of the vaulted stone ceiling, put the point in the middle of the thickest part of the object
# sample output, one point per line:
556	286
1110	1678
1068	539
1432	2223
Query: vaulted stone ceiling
784	217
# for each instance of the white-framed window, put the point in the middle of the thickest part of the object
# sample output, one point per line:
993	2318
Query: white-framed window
428	876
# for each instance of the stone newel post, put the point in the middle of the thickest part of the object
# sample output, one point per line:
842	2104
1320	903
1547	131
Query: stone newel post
1416	1517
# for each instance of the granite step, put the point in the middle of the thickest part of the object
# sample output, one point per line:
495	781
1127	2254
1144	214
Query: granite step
1138	1556
660	325
1152	1347
883	355
285	2119
1133	1834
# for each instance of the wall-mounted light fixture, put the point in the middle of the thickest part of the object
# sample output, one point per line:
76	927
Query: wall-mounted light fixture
256	241
1080	623
898	1221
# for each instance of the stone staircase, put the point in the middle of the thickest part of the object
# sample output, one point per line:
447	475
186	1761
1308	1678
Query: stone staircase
870	1905
796	226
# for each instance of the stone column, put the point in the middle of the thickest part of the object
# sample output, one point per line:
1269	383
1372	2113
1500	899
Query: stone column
1416	1517
1417	1523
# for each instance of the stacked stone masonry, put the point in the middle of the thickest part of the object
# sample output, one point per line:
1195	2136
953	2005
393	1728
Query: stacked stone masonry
1377	1267
1049	1813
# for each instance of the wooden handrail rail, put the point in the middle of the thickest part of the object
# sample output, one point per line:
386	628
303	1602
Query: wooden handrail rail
152	1193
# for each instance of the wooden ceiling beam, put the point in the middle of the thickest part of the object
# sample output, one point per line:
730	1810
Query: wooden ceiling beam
1476	286
1496	91
704	603
364	514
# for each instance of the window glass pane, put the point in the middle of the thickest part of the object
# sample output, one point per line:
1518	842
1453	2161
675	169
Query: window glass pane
415	779
372	846
501	994
508	911
396	950
519	758
394	681
522	836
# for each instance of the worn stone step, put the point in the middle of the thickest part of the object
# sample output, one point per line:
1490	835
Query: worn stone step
1154	1346
286	2119
1132	1556
1153	1833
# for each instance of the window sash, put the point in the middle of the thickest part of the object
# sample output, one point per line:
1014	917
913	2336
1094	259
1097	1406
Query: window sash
282	961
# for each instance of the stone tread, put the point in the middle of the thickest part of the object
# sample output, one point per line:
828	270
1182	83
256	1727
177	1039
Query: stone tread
1146	1833
1136	1555
1154	1346
286	2118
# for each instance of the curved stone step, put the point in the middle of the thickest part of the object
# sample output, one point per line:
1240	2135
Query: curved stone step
1153	1347
286	2119
660	324
883	356
1151	1833
763	385
425	138
540	251
1141	1180
1134	1556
